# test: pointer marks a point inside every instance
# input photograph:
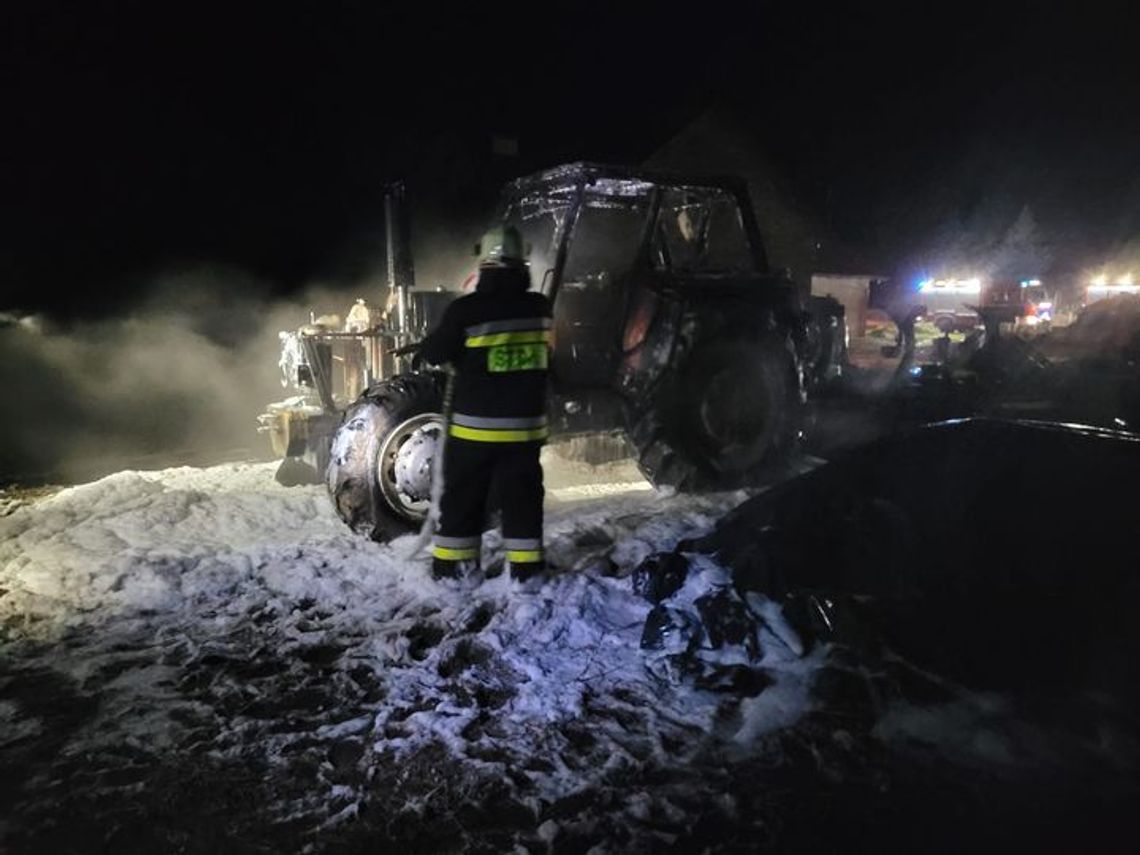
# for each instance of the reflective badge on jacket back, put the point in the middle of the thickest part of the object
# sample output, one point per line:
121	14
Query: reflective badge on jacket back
517	357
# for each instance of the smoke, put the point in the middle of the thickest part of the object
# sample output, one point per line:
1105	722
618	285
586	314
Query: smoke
445	253
182	377
992	244
178	380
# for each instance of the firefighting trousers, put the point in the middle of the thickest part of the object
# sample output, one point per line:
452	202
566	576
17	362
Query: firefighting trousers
478	478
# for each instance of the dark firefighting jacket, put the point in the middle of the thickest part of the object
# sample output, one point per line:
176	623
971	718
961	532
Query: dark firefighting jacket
498	340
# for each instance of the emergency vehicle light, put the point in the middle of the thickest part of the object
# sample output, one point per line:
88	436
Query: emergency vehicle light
1119	288
1124	284
951	286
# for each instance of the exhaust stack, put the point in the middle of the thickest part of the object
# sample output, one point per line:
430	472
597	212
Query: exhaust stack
401	273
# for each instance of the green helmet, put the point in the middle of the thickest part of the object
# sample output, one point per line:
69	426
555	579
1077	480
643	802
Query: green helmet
502	246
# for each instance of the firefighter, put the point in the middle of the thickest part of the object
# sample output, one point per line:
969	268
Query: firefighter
497	339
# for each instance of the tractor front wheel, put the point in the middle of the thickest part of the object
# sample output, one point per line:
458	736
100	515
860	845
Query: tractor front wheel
380	466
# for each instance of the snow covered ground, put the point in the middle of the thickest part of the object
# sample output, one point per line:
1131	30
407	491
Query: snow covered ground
200	657
200	660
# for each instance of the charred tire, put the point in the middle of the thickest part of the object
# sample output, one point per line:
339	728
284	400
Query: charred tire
362	475
727	420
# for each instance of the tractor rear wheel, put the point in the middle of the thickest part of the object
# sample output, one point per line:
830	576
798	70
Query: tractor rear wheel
728	418
380	466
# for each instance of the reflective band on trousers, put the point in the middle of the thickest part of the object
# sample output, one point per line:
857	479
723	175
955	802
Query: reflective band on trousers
465	542
455	548
449	554
522	542
480	435
523	550
511	325
530	336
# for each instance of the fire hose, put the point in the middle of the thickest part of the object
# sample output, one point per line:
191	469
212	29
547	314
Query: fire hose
429	524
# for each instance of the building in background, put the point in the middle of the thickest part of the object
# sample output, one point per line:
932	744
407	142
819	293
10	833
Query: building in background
852	290
795	236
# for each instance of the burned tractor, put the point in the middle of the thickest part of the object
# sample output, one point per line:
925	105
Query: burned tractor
668	326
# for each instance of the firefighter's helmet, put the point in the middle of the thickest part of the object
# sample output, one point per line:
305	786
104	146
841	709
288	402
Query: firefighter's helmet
502	246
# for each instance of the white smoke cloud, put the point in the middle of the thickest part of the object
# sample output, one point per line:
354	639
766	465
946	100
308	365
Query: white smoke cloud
446	256
180	379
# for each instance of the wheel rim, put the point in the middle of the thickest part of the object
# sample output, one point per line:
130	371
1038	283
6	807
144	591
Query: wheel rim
404	465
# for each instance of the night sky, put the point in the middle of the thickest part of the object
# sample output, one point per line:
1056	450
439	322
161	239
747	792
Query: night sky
140	137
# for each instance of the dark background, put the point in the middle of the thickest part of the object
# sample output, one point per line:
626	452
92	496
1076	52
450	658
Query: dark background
144	136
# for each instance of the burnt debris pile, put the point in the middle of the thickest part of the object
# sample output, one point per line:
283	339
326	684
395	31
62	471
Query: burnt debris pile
999	554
